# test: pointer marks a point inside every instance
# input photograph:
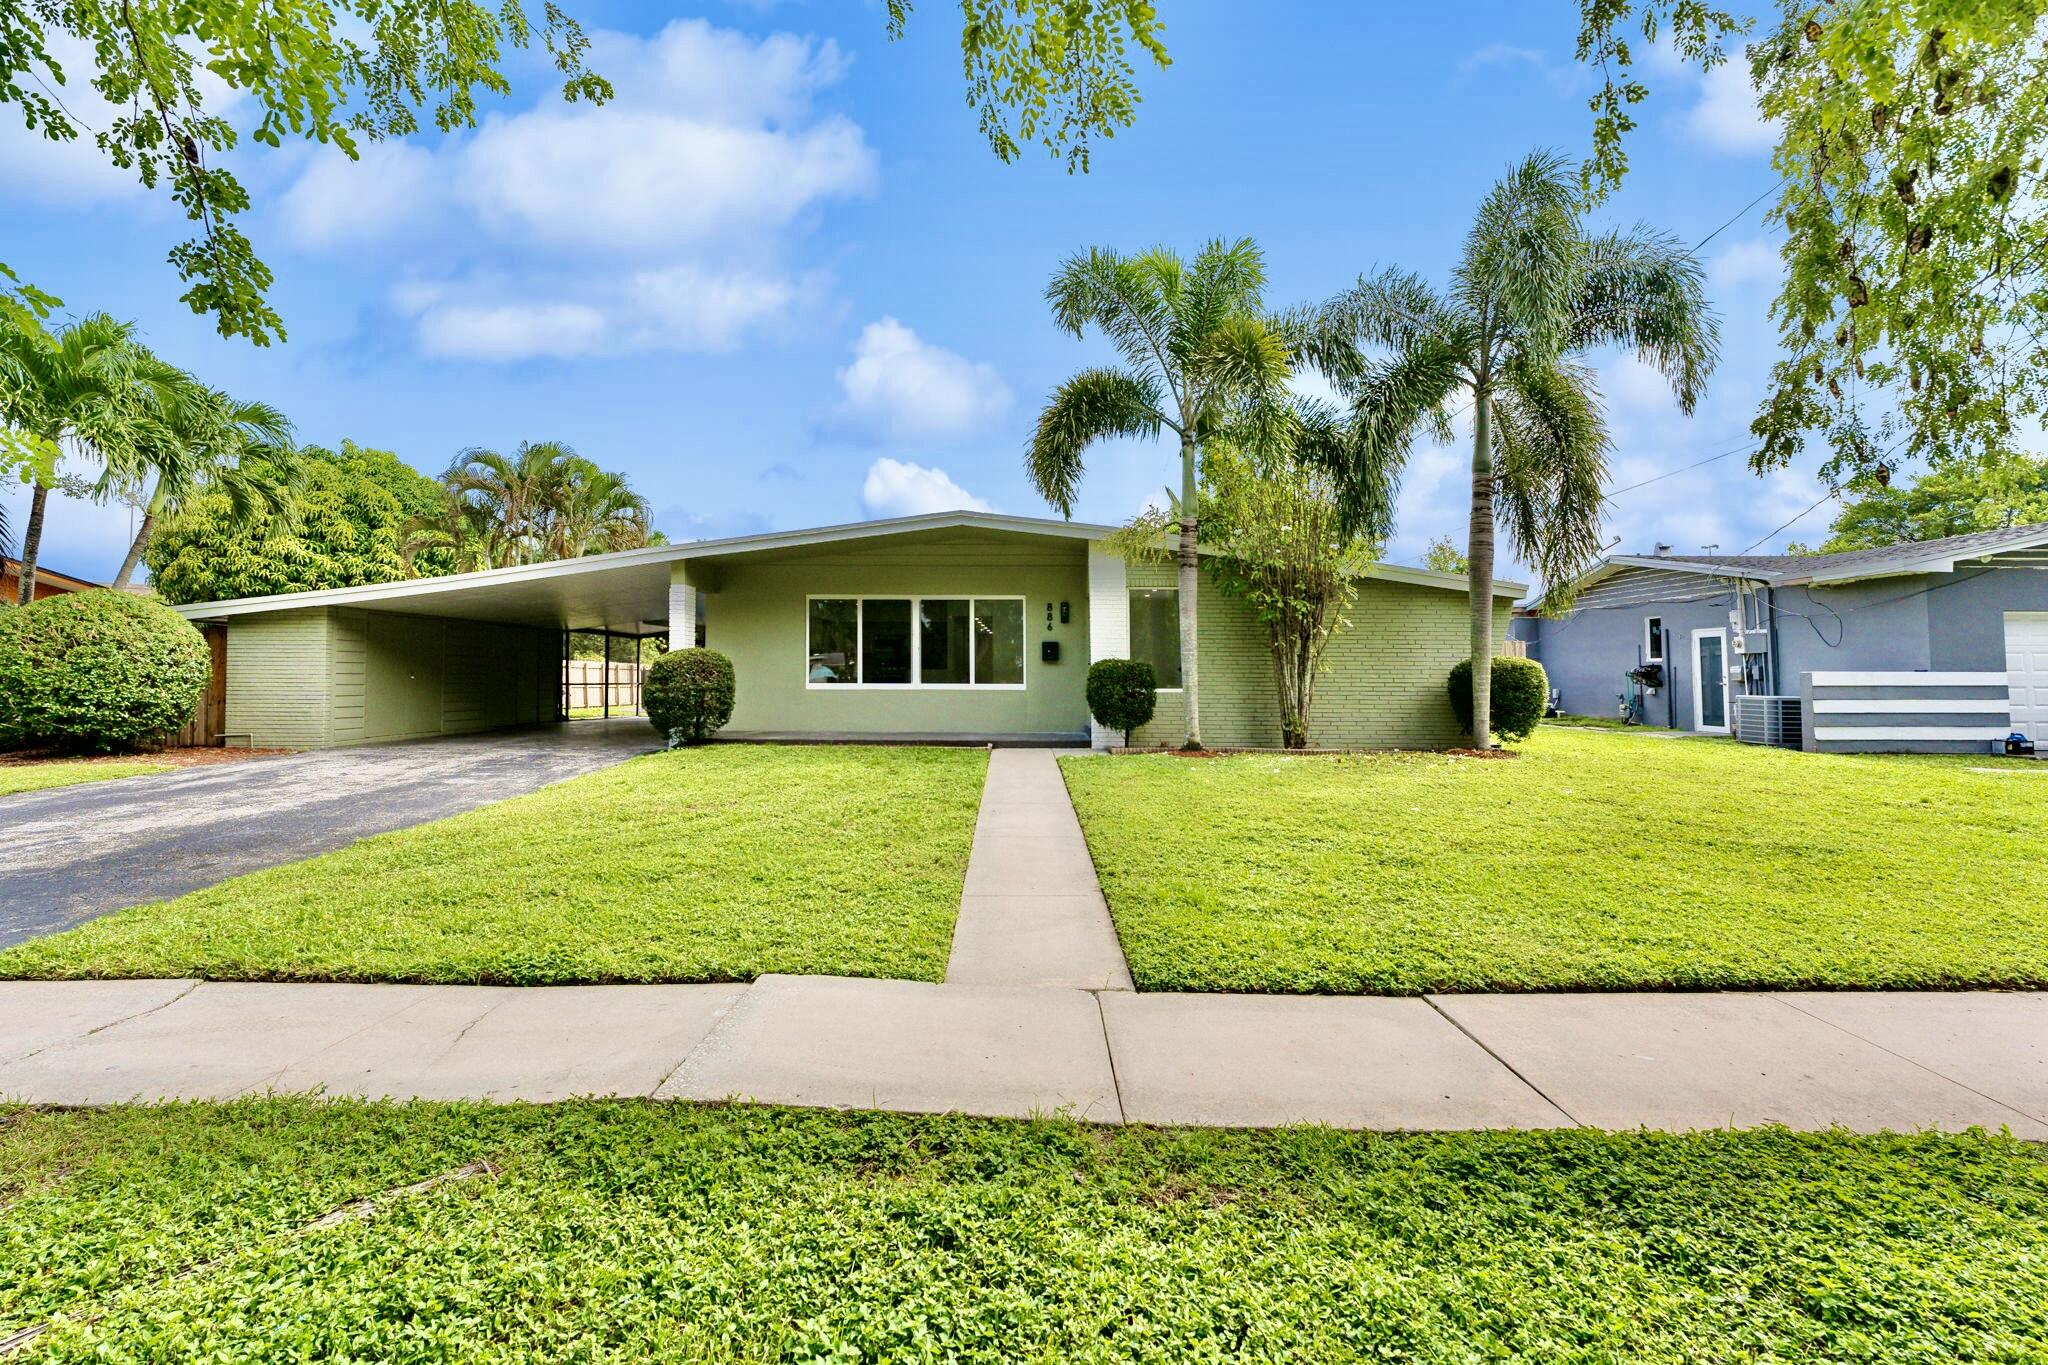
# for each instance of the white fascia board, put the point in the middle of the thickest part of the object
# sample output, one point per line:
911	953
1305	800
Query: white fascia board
1431	578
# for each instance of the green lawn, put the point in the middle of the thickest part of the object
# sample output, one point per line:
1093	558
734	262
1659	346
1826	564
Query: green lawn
35	777
636	1231
712	864
1589	861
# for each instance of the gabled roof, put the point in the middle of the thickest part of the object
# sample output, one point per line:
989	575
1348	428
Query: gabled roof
1890	561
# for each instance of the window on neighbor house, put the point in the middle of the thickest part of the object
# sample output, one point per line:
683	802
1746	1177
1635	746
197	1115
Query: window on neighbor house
1653	640
916	641
1155	632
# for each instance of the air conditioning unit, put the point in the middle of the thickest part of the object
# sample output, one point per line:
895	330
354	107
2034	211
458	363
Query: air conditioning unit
1774	721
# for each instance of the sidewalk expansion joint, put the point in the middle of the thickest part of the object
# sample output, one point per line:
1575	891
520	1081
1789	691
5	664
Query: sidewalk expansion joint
1510	1067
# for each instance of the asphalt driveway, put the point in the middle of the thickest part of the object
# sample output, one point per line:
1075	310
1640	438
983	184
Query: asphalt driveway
71	853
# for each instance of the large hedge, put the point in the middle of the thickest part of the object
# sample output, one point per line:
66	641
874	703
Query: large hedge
1520	690
97	671
1122	693
689	693
346	528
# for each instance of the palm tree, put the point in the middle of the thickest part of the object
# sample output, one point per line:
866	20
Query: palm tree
1531	293
196	440
514	495
80	388
593	511
1194	339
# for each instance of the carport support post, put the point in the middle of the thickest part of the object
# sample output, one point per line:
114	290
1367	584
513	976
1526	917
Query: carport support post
607	675
682	607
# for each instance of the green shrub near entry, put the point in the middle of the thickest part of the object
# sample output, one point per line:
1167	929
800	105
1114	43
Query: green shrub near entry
689	693
1122	693
1520	690
97	671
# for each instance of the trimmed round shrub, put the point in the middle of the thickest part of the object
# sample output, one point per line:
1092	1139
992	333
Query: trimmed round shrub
97	672
1122	693
688	694
1521	689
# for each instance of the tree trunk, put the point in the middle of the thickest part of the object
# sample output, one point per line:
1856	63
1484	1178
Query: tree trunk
31	542
142	532
1480	551
1190	574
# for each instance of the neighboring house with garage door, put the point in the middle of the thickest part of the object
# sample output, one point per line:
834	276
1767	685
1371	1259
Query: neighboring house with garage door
1937	646
951	626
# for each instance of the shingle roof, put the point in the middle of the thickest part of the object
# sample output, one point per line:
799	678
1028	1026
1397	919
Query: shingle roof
1904	557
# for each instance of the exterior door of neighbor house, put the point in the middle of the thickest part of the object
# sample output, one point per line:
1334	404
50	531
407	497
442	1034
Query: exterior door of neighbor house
2026	664
1710	680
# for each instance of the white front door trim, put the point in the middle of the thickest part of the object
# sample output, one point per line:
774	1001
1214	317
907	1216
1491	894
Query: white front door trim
1700	682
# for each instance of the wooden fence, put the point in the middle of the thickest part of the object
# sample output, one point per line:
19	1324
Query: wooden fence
584	686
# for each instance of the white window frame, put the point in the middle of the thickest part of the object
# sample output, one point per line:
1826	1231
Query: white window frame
1663	640
1699	694
916	683
1129	593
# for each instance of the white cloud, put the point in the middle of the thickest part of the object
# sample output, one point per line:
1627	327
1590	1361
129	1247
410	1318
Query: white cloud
677	308
894	488
1726	117
708	139
1742	264
337	200
902	388
1560	76
515	331
619	178
657	221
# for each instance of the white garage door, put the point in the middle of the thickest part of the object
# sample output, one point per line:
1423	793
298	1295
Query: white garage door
2026	663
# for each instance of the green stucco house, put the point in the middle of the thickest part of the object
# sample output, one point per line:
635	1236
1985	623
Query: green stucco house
950	626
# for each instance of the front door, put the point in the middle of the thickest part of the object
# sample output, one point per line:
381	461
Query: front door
1710	681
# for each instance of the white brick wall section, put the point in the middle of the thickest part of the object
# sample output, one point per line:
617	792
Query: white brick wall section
682	610
1109	620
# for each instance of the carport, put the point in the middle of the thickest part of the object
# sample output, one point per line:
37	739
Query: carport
423	657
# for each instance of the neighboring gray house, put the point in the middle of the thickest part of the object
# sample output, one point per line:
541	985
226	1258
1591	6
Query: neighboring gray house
1939	646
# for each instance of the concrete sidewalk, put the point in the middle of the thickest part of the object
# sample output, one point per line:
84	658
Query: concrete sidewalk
1864	1061
1032	913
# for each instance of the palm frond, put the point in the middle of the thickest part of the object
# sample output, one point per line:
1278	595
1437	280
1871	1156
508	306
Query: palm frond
1550	448
1522	259
1646	291
1394	310
1092	406
1124	296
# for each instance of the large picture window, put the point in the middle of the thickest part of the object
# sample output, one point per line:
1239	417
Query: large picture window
1155	632
915	642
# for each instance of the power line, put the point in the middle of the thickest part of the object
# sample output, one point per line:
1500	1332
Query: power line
1617	492
1740	213
1830	495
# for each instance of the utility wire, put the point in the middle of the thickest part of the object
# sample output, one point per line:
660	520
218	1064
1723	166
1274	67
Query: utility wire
1740	213
1617	492
1830	496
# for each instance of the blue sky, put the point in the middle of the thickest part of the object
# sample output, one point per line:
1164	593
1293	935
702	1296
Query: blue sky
781	281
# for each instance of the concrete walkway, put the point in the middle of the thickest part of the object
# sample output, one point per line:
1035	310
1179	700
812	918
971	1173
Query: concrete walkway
1865	1061
1032	913
70	853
